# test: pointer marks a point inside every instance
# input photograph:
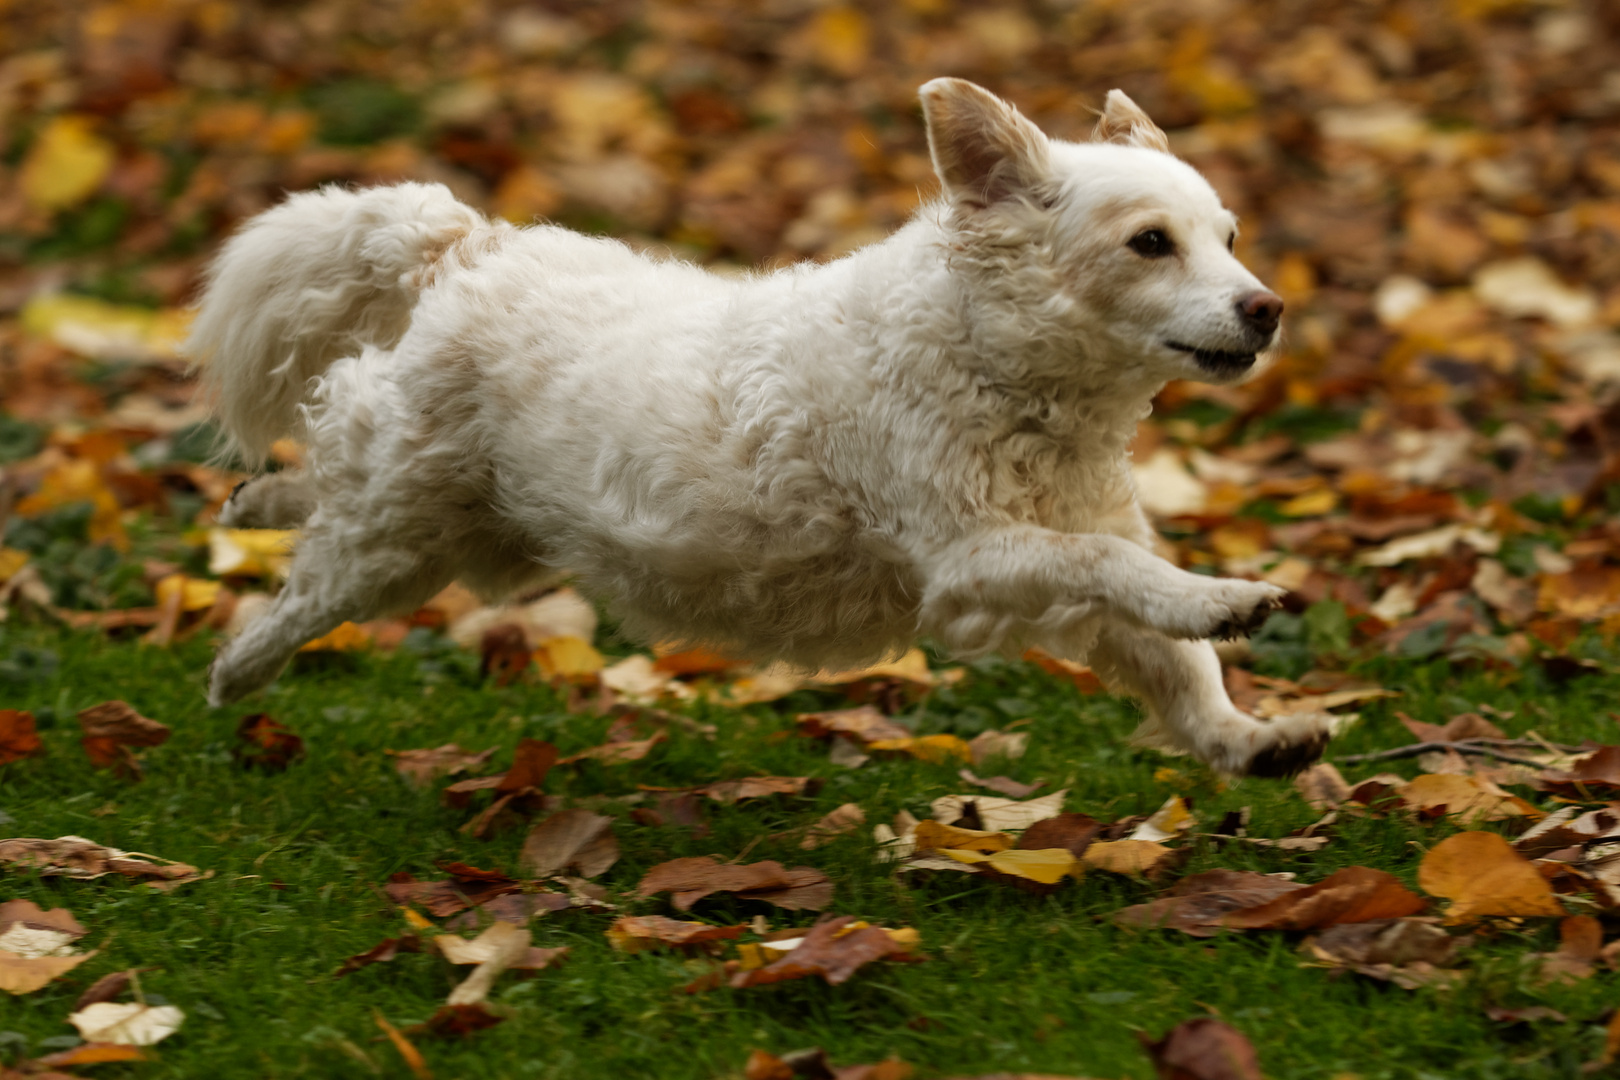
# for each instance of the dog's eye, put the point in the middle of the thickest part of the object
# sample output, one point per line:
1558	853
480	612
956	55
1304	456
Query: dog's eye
1152	244
1231	243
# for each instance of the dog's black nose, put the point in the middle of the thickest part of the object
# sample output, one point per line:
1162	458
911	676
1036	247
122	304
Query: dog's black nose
1261	310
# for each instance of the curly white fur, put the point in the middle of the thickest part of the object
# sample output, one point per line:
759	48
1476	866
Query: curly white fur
928	437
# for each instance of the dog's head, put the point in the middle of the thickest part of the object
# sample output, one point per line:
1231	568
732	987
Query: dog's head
1106	253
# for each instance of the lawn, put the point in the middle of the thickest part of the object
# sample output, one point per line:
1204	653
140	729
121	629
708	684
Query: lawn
1012	982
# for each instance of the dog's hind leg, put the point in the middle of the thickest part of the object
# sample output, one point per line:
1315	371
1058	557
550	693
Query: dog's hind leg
1189	710
279	500
338	574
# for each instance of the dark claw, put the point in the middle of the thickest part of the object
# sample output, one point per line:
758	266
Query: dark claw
237	489
1229	629
1281	762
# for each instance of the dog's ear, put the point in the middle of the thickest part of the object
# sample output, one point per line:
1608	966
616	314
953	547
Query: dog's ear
1124	122
984	150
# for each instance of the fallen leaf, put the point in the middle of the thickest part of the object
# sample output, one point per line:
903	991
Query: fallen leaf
1125	856
250	552
1407	952
1470	799
107	987
1593	778
1525	1016
36	946
1168	822
263	742
1083	678
993	744
937	836
935	749
500	947
411	1055
76	857
380	953
1203	1049
66	163
1483	877
111	729
691	879
1046	866
813	1065
18	739
843	819
1580	939
751	787
1196	905
827	950
1322	786
128	1024
1563	829
864	725
572	659
1072	832
1002	785
997	815
638	933
616	753
575	839
90	1053
493	943
422	767
468	887
1462	726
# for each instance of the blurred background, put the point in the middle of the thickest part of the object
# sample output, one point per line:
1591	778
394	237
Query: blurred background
1434	187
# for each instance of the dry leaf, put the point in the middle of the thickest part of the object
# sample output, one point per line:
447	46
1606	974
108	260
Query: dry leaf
575	839
1125	856
1203	1049
1483	877
1197	904
1072	832
999	814
691	879
76	857
864	725
1564	829
1593	778
1046	866
36	946
1002	785
638	933
1470	799
500	947
111	729
411	1055
827	950
1166	823
380	953
18	739
813	1065
128	1024
263	742
1322	786
494	943
934	835
844	819
993	744
422	767
1462	726
935	749
1580	940
1352	895
90	1053
1407	952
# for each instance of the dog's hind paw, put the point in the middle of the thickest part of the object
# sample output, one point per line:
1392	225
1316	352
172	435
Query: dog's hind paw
1297	743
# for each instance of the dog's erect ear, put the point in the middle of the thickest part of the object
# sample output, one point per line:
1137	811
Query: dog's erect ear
984	150
1124	122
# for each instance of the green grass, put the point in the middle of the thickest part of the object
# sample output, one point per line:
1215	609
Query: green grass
1014	982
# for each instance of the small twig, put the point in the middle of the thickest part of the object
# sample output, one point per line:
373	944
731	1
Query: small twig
1424	747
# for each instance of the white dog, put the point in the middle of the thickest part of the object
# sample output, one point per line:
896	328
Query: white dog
927	437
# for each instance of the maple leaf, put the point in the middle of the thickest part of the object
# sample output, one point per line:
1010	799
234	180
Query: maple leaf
263	742
111	729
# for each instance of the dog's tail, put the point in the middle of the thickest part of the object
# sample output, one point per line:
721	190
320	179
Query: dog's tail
315	279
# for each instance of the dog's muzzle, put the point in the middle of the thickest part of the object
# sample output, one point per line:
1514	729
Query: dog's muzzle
1224	365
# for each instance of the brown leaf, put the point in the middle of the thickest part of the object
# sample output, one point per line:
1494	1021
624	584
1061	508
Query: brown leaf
1407	952
112	729
512	907
616	752
1203	1049
18	739
691	879
411	1055
90	1053
1322	786
1002	785
1525	1016
1466	725
863	725
380	953
469	887
843	819
1074	832
107	988
1470	799
457	1020
637	933
1593	778
76	857
751	787
1354	894
1564	829
1126	856
826	952
1483	877
263	742
531	761
1197	904
422	767
1580	944
813	1065
570	838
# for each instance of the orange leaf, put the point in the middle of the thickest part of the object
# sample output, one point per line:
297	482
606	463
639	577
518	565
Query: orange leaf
1483	877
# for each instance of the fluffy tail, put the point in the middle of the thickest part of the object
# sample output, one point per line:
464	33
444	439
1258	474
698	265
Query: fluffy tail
306	283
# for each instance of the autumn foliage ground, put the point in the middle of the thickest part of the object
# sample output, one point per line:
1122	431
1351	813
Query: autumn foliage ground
1432	468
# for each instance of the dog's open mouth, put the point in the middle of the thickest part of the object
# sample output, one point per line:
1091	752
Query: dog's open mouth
1215	361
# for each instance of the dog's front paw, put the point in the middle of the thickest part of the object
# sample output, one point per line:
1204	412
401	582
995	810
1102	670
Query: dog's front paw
1290	744
1222	608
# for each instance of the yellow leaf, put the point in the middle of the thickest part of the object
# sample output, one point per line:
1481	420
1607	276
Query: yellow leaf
97	329
11	561
417	920
345	637
250	552
568	657
1045	865
936	834
931	748
1467	798
79	482
1311	504
1124	856
1483	877
66	164
840	38
196	594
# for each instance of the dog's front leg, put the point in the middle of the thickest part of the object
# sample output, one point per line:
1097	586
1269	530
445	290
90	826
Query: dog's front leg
1188	708
982	588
